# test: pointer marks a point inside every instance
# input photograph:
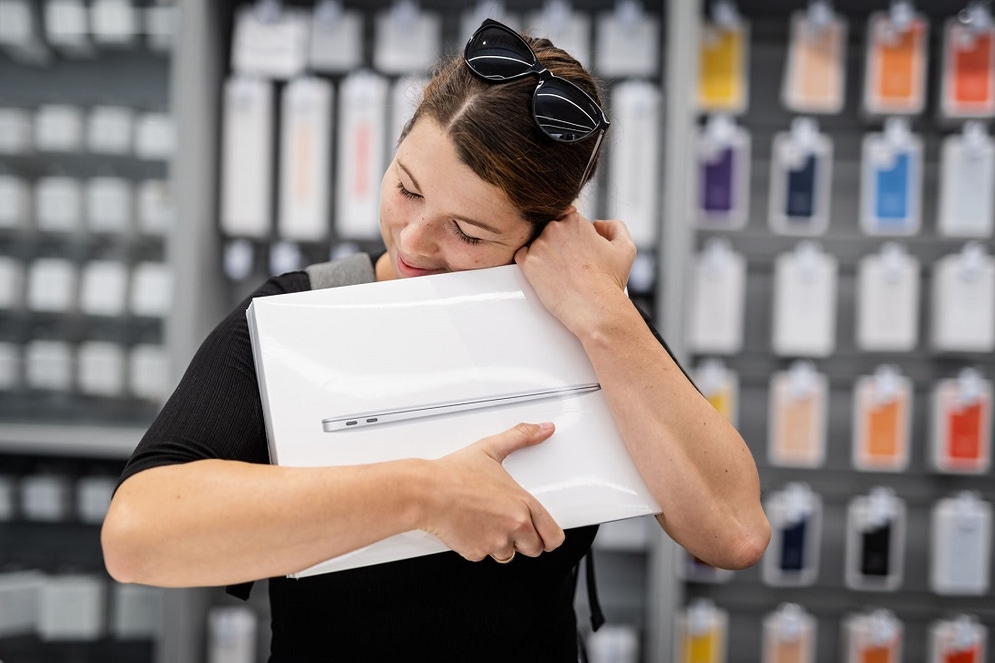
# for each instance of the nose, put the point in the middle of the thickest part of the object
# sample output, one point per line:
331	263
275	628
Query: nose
418	237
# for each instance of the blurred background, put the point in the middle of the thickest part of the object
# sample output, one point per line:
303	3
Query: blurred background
811	186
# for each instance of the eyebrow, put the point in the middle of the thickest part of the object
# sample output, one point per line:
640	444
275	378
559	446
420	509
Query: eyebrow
472	222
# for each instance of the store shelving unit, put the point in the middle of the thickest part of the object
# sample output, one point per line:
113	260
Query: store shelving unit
746	597
65	432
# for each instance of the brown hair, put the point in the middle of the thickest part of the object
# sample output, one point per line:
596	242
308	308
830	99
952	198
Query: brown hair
492	128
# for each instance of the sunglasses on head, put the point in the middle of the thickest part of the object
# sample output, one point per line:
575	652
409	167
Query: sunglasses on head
561	109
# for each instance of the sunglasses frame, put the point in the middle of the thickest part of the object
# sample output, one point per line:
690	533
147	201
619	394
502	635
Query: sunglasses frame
545	76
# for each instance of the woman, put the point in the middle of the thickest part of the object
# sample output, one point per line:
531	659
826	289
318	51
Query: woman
485	175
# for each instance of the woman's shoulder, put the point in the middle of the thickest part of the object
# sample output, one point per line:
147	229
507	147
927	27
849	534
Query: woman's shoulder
281	284
348	270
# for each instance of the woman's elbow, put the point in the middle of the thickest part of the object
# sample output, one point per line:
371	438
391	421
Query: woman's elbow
747	546
750	549
120	541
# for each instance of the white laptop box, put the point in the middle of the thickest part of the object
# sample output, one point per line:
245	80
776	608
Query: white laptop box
424	366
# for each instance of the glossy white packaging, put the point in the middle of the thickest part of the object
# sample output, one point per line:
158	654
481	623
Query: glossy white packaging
48	365
960	545
361	136
377	347
109	130
247	157
15	200
634	160
305	159
100	368
149	374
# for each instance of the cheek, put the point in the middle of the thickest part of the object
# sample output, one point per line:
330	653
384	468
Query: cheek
391	214
492	257
388	202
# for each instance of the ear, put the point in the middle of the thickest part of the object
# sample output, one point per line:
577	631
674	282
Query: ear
572	209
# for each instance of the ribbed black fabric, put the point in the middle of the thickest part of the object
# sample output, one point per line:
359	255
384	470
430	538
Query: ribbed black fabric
215	411
436	608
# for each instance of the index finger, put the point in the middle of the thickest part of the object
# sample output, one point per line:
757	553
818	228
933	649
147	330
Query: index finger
549	531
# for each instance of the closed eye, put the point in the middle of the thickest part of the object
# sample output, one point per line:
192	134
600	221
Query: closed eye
463	236
405	192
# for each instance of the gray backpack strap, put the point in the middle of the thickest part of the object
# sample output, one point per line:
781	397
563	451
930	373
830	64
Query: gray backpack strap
353	269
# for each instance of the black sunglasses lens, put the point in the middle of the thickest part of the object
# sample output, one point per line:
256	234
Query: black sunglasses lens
564	112
497	54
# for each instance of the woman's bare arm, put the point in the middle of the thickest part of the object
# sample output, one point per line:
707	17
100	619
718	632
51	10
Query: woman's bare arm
218	522
695	463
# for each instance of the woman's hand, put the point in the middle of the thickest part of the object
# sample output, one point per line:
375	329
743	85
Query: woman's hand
574	265
477	509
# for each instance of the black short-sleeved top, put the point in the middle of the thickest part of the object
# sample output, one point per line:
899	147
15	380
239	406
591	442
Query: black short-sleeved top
435	608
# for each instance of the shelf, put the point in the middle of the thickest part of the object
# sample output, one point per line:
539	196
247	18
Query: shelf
70	440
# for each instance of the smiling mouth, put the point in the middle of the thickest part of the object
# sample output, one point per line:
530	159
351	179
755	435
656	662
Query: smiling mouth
411	269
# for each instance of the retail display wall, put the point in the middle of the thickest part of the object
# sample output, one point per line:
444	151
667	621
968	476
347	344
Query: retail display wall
821	321
86	138
87	255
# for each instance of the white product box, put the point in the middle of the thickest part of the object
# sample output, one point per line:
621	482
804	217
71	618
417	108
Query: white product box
59	204
52	285
155	136
16	131
67	27
336	39
59	128
270	44
48	365
114	22
634	160
231	634
109	205
109	129
305	159
72	608
614	643
136	611
20	593
104	287
11	283
148	372
93	498
161	23
101	368
156	211
247	148
151	289
45	497
339	368
15	201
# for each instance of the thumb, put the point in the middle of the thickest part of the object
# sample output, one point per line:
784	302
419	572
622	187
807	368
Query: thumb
522	435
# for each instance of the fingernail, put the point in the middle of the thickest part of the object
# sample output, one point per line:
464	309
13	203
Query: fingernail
546	425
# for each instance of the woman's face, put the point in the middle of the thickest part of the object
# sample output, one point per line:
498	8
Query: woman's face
437	215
